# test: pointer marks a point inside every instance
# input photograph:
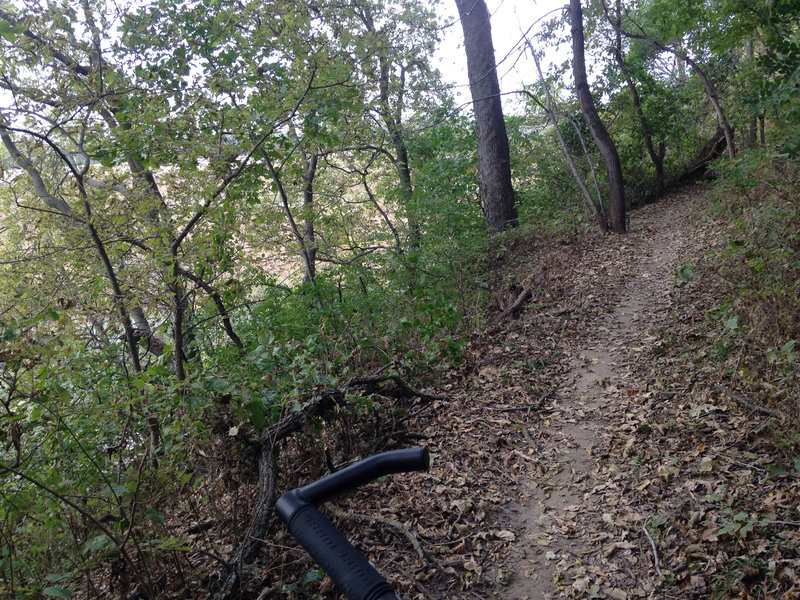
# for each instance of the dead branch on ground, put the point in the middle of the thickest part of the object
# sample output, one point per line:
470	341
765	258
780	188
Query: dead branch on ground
321	406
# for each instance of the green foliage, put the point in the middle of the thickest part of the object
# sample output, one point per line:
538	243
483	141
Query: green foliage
685	272
757	193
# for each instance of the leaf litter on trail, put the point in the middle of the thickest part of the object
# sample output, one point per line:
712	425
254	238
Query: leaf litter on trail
640	483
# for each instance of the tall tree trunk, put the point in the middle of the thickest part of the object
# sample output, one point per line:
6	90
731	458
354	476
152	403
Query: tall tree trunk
299	235
310	248
711	92
393	123
393	120
605	144
494	162
752	131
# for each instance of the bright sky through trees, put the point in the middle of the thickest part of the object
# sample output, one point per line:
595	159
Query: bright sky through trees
509	18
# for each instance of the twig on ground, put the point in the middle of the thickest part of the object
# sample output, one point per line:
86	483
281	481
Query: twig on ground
527	437
655	551
362	518
526	407
746	403
515	309
525	456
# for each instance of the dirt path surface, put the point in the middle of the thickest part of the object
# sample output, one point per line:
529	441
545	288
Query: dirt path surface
586	449
537	413
598	438
569	519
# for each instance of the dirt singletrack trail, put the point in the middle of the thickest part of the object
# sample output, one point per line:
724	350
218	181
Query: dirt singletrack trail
579	533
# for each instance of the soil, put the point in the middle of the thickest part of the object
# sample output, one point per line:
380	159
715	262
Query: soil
567	500
583	453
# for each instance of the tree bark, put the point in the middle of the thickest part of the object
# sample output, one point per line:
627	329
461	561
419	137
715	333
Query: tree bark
309	237
494	162
714	99
392	118
657	157
596	207
600	134
752	130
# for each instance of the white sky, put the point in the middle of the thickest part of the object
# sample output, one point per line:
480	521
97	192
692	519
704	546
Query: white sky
507	18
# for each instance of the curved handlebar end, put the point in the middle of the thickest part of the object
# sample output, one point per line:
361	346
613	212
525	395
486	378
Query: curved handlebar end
349	570
373	467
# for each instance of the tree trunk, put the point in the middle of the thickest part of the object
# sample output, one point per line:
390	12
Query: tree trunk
605	144
309	237
494	162
714	99
393	119
657	157
596	207
752	131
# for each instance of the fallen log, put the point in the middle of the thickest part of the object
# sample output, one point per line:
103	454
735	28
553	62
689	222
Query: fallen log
515	310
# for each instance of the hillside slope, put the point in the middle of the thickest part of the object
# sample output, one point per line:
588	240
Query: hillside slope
583	453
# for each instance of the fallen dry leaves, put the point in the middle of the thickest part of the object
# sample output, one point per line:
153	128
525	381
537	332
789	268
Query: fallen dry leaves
583	451
599	445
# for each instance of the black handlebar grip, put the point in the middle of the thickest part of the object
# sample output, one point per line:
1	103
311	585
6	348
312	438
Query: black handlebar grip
349	570
364	471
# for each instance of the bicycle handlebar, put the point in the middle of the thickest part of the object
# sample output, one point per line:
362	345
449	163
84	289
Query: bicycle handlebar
349	570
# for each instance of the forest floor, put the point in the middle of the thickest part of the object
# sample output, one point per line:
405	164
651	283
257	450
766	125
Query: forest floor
591	448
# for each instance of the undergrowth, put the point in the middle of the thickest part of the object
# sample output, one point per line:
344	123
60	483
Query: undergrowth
758	322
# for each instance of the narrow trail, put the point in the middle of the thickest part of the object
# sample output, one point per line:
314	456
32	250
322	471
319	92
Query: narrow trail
570	524
584	450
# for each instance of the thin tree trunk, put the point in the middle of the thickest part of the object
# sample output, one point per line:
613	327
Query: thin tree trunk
714	99
711	91
60	206
308	208
595	207
657	158
393	119
494	162
752	131
599	132
304	252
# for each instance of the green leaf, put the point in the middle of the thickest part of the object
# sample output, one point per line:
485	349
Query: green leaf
156	517
777	470
57	591
255	410
312	576
115	489
172	543
100	542
217	384
732	323
685	272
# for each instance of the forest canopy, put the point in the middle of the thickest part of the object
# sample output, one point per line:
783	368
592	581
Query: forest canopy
214	211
